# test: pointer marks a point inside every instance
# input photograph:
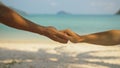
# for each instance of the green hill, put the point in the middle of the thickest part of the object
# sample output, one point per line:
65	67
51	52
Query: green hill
118	12
63	13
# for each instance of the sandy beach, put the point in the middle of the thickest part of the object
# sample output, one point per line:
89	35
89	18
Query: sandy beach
56	55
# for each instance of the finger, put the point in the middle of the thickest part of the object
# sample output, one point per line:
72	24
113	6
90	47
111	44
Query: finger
73	36
55	35
58	39
62	36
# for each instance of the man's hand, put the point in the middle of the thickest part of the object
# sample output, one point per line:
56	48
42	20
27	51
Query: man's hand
56	35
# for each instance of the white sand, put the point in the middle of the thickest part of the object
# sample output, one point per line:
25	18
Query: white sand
56	55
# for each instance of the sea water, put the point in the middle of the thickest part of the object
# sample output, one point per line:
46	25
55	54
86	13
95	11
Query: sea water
81	24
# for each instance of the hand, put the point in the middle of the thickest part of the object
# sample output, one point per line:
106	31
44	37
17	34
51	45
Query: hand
56	35
73	37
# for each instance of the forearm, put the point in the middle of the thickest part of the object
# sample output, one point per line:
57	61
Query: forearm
12	19
26	25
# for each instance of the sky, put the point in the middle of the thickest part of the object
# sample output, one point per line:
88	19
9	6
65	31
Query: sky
70	6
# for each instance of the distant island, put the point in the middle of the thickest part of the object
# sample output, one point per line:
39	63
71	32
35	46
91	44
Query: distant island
63	13
118	12
19	11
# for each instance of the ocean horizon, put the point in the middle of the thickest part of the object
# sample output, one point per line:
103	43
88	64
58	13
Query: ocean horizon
81	24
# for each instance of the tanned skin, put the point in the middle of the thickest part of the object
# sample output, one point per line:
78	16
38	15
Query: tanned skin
13	19
106	38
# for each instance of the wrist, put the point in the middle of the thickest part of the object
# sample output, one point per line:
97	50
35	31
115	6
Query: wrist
41	30
46	31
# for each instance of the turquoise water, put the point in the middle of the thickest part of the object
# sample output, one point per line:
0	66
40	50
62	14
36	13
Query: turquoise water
81	24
